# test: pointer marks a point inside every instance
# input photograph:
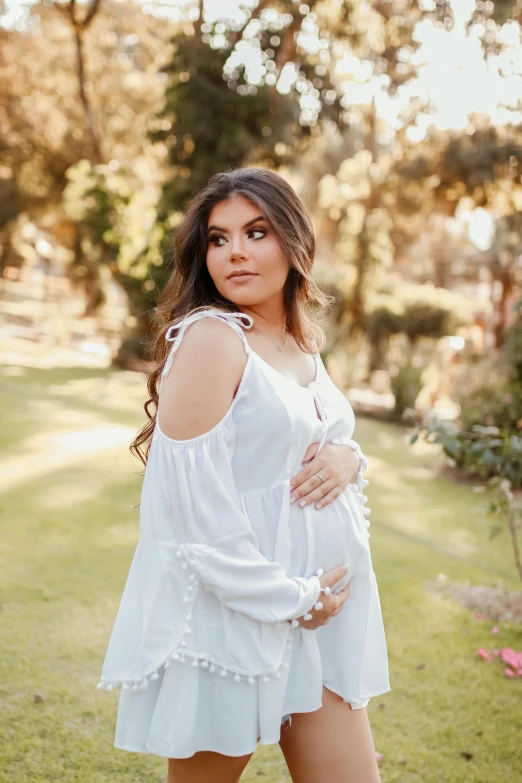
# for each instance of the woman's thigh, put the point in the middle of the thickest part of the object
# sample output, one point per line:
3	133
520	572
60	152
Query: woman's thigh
334	744
207	767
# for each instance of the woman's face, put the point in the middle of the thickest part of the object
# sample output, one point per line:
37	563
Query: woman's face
240	239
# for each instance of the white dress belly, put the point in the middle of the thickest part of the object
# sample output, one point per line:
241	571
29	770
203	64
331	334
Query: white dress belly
327	537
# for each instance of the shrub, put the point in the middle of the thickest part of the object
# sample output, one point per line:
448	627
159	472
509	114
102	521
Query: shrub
487	439
406	385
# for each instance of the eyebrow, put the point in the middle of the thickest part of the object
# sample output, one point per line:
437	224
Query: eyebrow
254	220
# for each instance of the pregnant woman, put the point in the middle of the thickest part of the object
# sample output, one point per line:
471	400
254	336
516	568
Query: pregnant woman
251	611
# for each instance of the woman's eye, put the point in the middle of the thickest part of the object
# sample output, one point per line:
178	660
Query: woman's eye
215	238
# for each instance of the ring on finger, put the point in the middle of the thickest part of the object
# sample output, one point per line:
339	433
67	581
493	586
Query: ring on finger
322	479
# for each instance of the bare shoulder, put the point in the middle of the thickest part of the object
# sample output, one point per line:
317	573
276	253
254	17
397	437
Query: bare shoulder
205	373
211	347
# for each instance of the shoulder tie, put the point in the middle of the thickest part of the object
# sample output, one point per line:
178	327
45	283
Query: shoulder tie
237	320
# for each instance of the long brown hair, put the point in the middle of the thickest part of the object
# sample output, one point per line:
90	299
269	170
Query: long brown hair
191	288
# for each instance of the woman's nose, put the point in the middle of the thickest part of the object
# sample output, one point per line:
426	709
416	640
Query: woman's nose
237	247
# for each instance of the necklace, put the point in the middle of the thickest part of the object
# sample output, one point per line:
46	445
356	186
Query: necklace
279	347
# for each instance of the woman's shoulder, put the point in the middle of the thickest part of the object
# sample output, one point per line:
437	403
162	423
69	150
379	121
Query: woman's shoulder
234	318
206	375
210	346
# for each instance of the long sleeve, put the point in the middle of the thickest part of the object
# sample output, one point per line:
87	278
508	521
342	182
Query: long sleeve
215	536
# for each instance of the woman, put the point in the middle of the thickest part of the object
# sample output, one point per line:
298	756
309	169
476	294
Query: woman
248	617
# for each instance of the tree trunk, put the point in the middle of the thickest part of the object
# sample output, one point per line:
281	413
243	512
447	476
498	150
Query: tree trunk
80	27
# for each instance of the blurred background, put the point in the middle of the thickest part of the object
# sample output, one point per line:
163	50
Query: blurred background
400	125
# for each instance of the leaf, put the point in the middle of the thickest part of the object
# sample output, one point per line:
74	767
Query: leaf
476	447
485	430
488	458
414	438
452	448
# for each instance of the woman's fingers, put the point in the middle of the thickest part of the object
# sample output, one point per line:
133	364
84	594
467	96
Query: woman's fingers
336	601
334	575
332	603
342	595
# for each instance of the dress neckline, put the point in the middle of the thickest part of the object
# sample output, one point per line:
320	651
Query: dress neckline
240	316
284	377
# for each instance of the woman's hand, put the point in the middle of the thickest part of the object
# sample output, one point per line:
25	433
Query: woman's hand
328	604
338	464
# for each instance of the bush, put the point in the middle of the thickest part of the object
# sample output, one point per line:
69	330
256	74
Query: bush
406	385
487	439
416	311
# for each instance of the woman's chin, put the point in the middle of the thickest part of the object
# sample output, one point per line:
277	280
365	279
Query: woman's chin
242	296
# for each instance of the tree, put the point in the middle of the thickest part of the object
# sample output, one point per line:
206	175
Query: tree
43	129
222	111
483	166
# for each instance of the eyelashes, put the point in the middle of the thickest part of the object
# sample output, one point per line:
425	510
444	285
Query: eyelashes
213	238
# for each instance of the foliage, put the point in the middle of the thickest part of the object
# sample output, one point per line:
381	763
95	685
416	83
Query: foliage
496	403
485	451
207	126
219	113
490	453
406	384
416	311
117	209
42	129
297	86
487	440
482	168
513	347
504	509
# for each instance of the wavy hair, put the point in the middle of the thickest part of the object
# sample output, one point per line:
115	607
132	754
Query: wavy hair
190	287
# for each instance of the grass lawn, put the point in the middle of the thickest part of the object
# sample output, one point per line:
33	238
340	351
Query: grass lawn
67	489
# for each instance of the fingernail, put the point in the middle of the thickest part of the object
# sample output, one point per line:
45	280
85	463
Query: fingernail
292	499
319	505
345	567
302	503
292	485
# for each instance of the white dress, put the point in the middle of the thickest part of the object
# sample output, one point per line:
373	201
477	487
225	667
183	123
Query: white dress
202	645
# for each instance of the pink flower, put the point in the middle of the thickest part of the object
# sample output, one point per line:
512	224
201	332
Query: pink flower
509	672
484	654
495	630
512	658
379	757
495	652
478	616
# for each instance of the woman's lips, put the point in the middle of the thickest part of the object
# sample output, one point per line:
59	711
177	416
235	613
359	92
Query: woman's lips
241	278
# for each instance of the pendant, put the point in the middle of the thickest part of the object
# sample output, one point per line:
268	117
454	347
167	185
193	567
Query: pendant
279	347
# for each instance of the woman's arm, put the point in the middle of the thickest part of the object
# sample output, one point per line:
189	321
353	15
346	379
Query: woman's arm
215	535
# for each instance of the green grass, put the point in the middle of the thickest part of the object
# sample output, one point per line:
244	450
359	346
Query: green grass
68	535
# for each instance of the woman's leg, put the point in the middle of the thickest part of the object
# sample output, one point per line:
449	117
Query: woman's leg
334	744
207	767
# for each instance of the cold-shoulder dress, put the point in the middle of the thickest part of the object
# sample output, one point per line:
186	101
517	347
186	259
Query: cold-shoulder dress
205	644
